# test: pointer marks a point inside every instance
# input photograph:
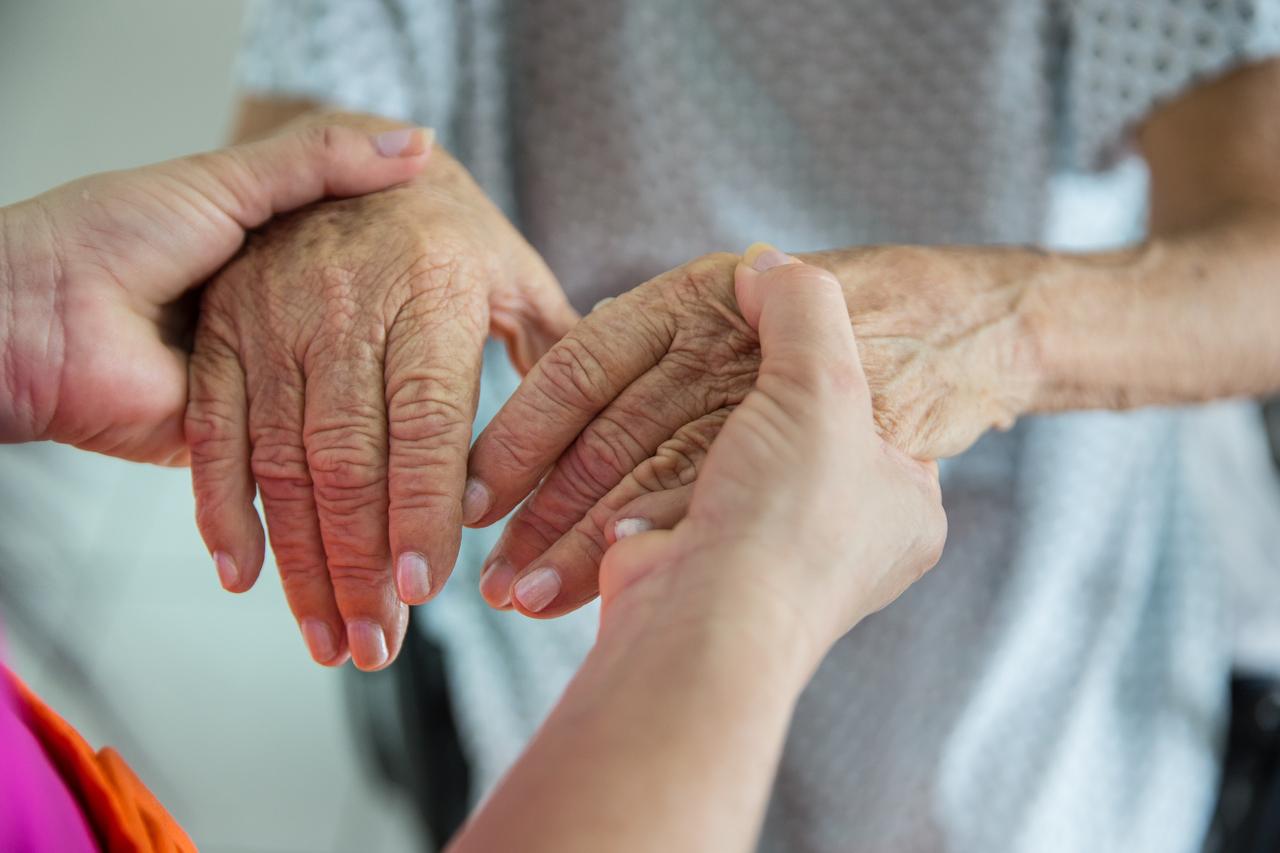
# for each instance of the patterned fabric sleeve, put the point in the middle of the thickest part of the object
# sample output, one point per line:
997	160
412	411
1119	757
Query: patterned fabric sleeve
1125	57
353	54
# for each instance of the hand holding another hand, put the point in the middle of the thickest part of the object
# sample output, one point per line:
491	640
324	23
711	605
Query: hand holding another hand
802	514
629	402
336	372
97	272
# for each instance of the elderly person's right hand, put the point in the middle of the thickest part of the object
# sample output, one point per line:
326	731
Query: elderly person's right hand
336	368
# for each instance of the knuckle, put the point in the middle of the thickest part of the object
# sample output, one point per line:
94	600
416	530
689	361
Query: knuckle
510	448
601	458
298	563
212	428
421	410
430	506
279	466
574	376
359	573
328	139
345	467
676	462
537	525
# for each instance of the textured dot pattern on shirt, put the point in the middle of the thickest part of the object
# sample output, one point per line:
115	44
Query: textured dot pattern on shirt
1055	683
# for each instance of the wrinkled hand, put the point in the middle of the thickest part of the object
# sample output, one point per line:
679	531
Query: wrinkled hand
801	510
336	366
98	270
628	403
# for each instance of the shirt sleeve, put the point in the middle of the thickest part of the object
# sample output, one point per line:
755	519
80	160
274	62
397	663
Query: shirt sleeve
362	55
1123	58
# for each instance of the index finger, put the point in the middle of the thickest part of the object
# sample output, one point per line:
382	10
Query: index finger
567	388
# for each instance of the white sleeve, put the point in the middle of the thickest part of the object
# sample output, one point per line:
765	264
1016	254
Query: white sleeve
363	55
1123	58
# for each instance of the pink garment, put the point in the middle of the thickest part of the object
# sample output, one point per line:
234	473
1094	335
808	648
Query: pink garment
38	813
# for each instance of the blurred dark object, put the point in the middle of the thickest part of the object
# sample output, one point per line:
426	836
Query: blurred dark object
1247	819
403	719
1271	415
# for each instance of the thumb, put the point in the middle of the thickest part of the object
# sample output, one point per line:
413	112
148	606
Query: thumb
254	181
800	314
630	559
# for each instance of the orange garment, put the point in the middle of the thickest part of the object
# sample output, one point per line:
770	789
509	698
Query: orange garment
123	813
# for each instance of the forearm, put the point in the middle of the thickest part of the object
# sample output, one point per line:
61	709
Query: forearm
1183	318
1187	316
667	739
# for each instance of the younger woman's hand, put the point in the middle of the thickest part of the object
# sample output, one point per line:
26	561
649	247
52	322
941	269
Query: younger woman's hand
94	278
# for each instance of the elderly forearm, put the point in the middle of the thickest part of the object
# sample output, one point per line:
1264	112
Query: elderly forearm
667	739
1183	318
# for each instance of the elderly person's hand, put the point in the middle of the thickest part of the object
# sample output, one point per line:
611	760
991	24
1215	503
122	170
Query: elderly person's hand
336	368
96	277
800	503
629	401
803	520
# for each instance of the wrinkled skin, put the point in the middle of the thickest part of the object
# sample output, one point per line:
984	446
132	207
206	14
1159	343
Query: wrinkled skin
630	401
801	510
336	368
99	275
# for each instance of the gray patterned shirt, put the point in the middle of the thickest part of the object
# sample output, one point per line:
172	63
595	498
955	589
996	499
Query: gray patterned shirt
1057	683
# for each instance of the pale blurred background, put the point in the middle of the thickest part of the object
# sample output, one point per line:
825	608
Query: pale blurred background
115	613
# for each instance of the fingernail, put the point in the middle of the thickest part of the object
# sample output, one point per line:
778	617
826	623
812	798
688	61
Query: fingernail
404	142
624	527
495	582
762	256
476	500
320	639
535	590
367	642
413	577
228	571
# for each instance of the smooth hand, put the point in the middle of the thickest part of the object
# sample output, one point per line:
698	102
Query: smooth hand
99	274
630	401
335	373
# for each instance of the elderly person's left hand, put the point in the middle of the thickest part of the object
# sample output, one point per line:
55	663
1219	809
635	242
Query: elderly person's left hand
94	277
953	340
629	401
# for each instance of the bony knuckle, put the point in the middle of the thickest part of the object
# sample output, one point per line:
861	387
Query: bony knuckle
367	573
343	473
280	469
575	376
600	459
537	526
210	427
418	412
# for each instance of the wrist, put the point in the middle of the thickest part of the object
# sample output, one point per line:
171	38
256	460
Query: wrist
28	290
1069	310
984	307
710	605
